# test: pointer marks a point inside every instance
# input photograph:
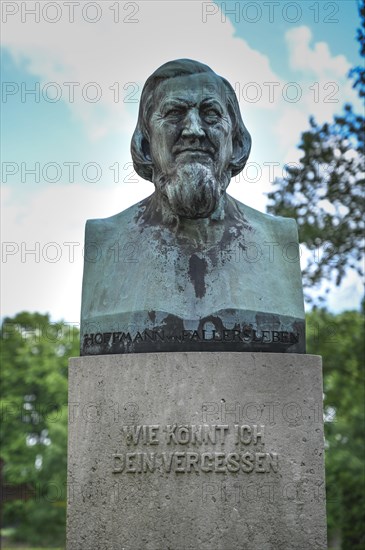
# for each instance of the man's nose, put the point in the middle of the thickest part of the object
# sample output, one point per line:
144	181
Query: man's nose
192	125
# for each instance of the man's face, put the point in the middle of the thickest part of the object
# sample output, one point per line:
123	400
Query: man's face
191	143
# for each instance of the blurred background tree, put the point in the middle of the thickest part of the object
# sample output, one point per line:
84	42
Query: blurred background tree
33	408
34	422
340	341
325	193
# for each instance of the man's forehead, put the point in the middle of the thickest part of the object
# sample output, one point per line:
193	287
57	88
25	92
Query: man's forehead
200	86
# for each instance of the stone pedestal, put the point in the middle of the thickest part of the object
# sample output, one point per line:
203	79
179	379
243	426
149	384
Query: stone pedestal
196	451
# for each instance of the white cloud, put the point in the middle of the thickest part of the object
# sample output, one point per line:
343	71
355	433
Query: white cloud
126	53
106	53
315	60
322	79
40	270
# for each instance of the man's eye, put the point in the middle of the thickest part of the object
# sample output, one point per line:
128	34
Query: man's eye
174	112
211	114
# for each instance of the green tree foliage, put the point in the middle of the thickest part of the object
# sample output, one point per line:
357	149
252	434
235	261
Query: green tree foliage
325	192
358	73
34	423
339	339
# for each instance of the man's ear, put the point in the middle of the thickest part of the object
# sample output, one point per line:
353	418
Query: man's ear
241	146
237	146
145	145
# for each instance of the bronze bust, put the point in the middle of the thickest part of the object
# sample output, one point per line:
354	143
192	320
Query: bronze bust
190	268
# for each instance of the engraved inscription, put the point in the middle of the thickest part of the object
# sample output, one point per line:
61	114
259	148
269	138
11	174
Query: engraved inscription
247	335
191	461
248	456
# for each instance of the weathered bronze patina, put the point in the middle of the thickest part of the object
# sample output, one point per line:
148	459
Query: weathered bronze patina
190	268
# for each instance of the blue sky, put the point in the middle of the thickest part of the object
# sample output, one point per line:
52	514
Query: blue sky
306	49
332	22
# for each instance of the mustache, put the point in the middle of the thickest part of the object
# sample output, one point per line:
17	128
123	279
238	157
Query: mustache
194	147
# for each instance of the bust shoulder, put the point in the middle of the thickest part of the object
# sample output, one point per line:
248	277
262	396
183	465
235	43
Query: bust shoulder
104	228
266	224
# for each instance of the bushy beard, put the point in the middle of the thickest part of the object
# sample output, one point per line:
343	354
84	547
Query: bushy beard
191	190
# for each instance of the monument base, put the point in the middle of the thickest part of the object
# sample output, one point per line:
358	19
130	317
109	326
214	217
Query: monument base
196	451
